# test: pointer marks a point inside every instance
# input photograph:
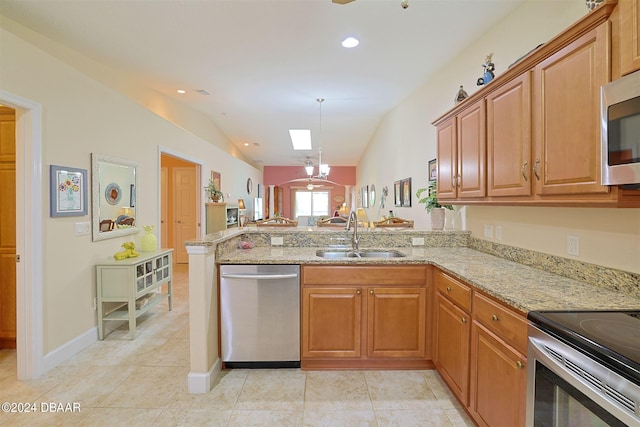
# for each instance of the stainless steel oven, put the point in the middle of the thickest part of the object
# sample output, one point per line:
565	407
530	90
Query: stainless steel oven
583	369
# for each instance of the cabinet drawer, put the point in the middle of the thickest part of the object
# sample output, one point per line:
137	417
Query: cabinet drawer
504	322
365	275
454	290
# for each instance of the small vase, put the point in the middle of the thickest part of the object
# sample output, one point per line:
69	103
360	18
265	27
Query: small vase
149	241
437	218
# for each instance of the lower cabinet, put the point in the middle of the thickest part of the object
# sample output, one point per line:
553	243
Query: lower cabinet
364	316
480	348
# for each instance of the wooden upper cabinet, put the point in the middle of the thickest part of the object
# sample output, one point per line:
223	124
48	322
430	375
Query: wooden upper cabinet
509	138
461	153
472	151
447	154
629	36
566	116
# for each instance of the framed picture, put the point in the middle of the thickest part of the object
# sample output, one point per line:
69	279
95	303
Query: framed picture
364	196
397	194
215	177
433	170
406	192
68	191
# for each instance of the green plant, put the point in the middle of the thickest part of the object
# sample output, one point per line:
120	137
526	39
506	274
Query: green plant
213	191
431	199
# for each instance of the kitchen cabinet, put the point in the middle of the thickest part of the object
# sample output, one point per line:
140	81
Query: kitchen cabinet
133	286
626	38
364	316
498	365
220	216
452	334
461	152
566	117
509	138
537	126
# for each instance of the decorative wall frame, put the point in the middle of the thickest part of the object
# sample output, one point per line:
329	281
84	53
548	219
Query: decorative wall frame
406	192
364	196
433	170
68	195
397	194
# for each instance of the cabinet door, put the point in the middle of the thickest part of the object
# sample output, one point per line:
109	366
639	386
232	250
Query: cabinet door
396	322
453	330
447	154
498	381
472	151
509	139
331	322
629	35
567	112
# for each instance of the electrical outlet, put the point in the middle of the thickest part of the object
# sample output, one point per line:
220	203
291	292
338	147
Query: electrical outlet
277	241
417	241
573	245
488	231
498	230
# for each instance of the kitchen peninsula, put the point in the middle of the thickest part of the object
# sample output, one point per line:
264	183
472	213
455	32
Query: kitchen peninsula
491	270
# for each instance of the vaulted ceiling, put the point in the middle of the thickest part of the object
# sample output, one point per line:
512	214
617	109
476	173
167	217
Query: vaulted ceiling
256	67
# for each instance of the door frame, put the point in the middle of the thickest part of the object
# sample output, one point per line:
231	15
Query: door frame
199	168
29	224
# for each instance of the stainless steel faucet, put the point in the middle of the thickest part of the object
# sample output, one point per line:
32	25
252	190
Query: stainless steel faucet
355	239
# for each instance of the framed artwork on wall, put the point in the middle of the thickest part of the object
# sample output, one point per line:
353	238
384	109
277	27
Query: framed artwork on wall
433	170
406	192
397	194
364	196
68	195
215	177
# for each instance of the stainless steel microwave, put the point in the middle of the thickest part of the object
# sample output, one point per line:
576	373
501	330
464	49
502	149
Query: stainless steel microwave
620	124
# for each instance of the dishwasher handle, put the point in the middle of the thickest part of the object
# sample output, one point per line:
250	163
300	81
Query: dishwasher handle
260	276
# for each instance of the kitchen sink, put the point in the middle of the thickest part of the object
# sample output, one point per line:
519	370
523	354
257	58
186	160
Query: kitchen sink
364	253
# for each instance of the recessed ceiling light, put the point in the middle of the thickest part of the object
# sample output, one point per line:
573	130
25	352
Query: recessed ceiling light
246	144
181	91
350	42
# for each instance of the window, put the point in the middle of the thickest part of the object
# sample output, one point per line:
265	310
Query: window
311	203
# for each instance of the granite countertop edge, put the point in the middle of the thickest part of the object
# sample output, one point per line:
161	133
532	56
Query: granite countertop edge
519	286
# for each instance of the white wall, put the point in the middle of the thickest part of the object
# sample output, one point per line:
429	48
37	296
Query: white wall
81	115
405	141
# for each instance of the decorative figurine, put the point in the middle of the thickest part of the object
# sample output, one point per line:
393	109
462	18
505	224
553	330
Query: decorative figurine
461	95
129	251
488	71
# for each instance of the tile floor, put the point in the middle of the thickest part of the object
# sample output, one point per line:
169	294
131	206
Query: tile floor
142	382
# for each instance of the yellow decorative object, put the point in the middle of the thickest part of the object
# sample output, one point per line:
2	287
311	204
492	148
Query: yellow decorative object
129	251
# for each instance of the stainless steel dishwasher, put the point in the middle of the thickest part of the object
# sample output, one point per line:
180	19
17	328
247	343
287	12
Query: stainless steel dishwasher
260	315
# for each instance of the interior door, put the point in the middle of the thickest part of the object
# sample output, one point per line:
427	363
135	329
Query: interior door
7	228
164	207
185	202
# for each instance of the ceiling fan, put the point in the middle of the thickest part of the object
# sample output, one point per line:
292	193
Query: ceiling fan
342	1
403	3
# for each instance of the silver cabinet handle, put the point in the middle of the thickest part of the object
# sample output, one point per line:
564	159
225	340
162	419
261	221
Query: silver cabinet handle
523	170
535	169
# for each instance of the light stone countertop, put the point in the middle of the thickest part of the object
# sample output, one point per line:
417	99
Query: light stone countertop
523	287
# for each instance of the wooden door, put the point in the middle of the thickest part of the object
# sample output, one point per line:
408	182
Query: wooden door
453	330
472	151
509	139
331	322
567	116
498	381
447	154
7	228
185	203
396	325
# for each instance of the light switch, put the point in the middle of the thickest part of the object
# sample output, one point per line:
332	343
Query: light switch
417	241
83	228
277	241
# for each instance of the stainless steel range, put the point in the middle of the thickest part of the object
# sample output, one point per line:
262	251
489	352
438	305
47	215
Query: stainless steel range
584	369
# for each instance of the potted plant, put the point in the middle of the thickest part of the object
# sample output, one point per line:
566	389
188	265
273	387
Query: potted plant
435	209
214	194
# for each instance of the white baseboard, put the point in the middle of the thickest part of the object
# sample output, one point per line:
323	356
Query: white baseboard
203	382
70	349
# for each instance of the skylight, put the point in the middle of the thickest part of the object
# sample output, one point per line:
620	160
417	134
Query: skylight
301	139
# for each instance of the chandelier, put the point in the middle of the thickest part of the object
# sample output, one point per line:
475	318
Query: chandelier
323	168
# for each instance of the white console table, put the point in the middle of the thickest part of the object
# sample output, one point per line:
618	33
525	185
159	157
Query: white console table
134	283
